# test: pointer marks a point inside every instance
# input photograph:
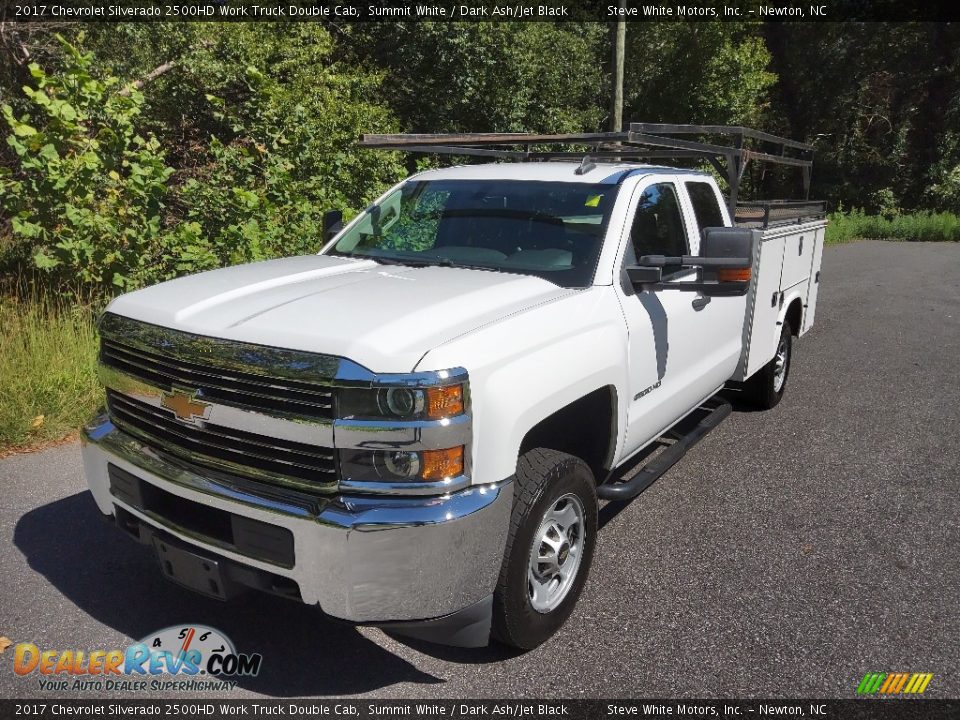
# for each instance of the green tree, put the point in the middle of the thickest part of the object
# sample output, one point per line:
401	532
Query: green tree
879	100
487	77
710	73
85	194
282	118
231	156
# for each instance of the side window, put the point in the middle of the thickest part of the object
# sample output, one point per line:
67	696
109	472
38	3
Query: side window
658	224
705	205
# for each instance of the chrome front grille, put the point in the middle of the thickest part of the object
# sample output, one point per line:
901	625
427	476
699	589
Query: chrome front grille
265	413
227	449
218	384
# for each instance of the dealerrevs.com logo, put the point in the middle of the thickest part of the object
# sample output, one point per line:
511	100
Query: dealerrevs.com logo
182	657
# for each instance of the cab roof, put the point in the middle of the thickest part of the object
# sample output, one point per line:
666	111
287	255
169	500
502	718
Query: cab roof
601	173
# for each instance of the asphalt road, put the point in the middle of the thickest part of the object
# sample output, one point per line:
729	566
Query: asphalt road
788	554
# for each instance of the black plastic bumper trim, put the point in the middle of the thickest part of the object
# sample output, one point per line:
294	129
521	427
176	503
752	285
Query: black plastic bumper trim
469	627
237	573
245	536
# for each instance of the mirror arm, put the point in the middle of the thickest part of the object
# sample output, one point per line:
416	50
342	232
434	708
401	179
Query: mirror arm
715	289
694	261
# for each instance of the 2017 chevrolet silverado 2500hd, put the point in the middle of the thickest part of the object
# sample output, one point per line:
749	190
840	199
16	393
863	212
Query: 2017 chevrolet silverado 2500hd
412	428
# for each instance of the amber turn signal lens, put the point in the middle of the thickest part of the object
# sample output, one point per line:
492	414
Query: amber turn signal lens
438	464
444	401
734	274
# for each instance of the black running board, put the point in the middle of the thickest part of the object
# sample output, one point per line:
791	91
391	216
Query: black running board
716	410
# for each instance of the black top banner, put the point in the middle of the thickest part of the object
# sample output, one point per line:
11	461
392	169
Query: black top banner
473	11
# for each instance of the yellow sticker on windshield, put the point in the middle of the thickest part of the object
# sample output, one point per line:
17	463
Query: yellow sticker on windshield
592	200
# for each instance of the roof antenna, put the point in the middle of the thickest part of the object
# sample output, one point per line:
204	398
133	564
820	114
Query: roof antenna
585	166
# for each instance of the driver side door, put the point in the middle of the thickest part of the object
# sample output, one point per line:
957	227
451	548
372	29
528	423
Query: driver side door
672	358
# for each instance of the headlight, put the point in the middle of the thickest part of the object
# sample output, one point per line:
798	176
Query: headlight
402	402
432	403
401	465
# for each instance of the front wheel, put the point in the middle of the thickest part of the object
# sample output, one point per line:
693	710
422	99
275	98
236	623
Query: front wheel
767	386
549	549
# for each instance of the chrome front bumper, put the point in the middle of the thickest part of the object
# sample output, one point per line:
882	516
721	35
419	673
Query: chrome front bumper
365	559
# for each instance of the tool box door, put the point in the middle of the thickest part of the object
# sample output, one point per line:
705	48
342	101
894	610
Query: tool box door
810	311
764	331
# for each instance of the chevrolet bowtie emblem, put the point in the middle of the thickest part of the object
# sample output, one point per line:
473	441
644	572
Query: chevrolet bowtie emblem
185	405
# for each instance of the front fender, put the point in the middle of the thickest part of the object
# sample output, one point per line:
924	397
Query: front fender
525	367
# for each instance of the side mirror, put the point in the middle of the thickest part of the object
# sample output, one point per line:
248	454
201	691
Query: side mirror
727	255
727	242
724	266
332	224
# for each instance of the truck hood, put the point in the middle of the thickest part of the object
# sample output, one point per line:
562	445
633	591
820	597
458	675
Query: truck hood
384	317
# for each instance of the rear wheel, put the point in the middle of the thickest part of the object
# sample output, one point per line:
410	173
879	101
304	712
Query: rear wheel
767	386
549	548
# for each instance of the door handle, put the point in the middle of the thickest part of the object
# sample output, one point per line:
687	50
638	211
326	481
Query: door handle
701	302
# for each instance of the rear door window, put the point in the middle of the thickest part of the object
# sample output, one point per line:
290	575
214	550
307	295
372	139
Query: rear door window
658	227
705	206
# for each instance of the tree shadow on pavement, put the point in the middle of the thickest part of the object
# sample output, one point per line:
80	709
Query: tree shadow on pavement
117	582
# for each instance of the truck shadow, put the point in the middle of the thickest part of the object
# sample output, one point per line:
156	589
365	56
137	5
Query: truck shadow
738	400
492	653
116	582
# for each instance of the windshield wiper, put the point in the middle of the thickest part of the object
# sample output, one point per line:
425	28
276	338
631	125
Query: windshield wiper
376	258
421	262
384	260
447	262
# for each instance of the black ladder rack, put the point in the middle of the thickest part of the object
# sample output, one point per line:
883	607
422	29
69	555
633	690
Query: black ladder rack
643	141
765	214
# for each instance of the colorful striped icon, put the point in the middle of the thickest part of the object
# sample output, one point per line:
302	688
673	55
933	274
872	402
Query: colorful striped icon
894	683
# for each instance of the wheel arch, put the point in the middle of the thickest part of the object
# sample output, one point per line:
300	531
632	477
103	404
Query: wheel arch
593	441
794	315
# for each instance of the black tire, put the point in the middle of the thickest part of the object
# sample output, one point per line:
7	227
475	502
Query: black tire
762	389
544	478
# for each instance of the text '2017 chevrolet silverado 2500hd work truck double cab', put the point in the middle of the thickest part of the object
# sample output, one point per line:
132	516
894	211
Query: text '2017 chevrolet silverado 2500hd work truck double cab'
412	428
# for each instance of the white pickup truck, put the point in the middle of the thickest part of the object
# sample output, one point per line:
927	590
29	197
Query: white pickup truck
413	428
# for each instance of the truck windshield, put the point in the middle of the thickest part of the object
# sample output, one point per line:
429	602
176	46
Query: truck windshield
553	230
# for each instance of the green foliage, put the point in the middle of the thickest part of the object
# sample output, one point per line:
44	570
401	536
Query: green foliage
881	101
712	73
886	202
85	198
286	122
488	77
48	382
235	154
945	192
267	146
916	227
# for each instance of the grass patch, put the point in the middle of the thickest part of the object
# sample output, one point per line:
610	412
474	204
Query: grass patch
48	382
913	227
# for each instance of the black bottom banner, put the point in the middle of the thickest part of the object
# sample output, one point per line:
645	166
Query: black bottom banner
880	709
